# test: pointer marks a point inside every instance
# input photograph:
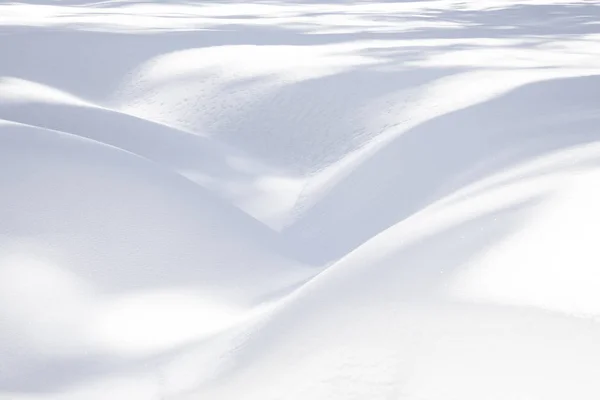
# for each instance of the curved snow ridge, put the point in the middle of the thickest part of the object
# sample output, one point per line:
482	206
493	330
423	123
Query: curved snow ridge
39	105
124	222
538	192
441	97
399	179
99	247
453	282
225	171
50	152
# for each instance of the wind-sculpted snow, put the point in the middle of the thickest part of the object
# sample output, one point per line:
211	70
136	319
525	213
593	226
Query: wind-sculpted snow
315	200
104	254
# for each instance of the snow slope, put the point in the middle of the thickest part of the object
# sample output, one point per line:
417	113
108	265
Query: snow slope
106	256
311	200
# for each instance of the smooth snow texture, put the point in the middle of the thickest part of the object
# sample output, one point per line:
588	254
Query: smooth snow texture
315	200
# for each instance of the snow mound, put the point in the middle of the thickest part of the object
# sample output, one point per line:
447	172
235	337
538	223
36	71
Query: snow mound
100	247
444	303
224	170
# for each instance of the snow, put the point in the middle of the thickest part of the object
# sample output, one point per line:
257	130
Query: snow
299	200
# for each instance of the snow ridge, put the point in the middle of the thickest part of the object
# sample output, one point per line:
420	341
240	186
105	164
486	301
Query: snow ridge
299	200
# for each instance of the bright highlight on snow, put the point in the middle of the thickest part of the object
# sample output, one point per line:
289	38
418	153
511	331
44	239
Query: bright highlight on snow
323	200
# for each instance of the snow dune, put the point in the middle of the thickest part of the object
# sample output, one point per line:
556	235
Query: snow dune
322	200
100	247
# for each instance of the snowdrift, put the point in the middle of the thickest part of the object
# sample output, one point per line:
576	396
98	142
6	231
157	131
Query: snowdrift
340	200
105	256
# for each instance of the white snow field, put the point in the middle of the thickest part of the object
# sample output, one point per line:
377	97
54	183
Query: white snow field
309	200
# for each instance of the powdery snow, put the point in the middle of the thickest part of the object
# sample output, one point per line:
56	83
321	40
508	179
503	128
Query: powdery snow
299	200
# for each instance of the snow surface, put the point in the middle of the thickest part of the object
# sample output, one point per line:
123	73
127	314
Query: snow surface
322	200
